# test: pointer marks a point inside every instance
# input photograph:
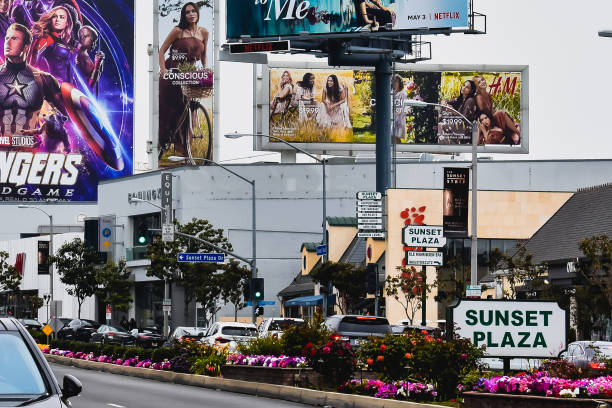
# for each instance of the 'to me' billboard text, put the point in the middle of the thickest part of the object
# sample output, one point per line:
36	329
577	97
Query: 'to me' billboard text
510	328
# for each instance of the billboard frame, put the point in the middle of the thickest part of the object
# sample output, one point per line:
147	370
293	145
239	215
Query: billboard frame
261	77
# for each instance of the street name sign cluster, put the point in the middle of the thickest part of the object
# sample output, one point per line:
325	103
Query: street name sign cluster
200	257
369	214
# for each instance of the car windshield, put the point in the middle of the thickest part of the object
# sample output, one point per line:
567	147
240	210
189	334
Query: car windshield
116	329
30	321
360	324
239	331
18	371
604	351
283	324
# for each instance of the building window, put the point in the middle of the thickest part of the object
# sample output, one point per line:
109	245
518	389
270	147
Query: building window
304	263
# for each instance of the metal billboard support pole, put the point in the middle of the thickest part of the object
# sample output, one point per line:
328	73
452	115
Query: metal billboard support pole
383	129
474	252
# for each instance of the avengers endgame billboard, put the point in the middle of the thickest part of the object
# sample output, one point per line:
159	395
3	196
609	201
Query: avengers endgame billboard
66	97
330	109
273	18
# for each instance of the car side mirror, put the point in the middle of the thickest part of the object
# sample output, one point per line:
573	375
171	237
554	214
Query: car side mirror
72	387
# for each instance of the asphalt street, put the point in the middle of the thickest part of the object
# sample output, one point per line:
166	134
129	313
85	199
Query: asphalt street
104	390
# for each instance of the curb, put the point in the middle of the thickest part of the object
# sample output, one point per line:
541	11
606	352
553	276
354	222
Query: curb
283	392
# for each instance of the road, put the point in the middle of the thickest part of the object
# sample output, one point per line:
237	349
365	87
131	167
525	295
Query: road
104	390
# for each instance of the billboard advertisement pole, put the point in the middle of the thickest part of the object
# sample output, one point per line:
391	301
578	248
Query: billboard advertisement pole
383	129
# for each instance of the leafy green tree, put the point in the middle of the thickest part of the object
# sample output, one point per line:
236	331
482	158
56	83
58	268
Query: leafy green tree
114	286
408	288
198	280
232	284
346	278
10	279
34	303
77	265
596	268
519	269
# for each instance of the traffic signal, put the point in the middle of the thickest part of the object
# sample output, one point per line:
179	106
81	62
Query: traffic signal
246	290
258	288
259	311
141	236
371	272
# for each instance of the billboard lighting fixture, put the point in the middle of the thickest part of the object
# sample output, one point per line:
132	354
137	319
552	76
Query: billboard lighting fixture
605	33
416	103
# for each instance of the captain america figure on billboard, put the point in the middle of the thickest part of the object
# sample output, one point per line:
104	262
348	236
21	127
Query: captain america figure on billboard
66	97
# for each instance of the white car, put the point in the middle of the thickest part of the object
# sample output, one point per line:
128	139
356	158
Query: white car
274	326
229	332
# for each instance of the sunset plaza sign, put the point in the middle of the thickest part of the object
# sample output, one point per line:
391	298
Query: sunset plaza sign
512	328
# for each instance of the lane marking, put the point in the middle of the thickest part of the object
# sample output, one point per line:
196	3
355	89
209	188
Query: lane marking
115	405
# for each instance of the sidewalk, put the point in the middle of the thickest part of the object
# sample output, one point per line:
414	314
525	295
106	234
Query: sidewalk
293	394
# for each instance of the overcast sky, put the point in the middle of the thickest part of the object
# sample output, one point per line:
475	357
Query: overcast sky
569	75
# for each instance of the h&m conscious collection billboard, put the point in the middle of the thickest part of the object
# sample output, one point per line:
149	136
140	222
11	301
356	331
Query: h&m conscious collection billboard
186	80
66	97
330	109
265	18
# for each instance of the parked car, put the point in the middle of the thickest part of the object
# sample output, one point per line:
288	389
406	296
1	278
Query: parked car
274	326
112	335
192	333
25	375
31	324
78	329
587	354
229	332
147	338
356	328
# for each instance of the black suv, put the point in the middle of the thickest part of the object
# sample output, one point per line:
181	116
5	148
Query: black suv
25	376
78	329
356	328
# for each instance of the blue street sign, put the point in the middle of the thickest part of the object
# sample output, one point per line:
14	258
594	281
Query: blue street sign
191	257
321	250
263	303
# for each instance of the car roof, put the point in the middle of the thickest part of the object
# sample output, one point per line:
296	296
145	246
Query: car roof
8	324
237	324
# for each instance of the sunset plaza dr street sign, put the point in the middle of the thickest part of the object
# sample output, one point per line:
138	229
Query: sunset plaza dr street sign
425	258
427	236
200	257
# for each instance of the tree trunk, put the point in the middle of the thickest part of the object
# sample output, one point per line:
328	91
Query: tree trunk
235	312
80	303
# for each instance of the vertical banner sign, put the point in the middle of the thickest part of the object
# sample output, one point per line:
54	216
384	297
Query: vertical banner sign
455	202
66	97
106	237
166	198
43	257
186	81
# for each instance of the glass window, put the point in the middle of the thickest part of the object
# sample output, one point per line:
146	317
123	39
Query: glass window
19	373
283	324
364	325
239	331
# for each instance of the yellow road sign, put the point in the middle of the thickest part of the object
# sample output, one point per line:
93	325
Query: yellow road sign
47	330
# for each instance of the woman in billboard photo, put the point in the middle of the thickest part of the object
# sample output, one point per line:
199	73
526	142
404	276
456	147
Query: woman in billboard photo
186	43
334	112
484	103
490	132
399	110
282	98
465	103
374	14
304	98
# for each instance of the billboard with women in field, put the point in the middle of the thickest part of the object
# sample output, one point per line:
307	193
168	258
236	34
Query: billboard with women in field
186	80
329	109
66	98
274	18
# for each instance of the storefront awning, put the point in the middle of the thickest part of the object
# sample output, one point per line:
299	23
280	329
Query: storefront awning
310	301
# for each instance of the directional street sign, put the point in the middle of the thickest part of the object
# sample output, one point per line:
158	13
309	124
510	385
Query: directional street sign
364	208
369	195
369	226
369	214
371	234
321	250
200	257
369	221
427	236
425	258
377	203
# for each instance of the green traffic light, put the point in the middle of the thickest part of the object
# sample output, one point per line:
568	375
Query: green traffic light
142	239
257	295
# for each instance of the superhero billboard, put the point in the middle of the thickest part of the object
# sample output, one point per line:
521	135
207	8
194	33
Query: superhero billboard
331	109
273	18
186	80
66	97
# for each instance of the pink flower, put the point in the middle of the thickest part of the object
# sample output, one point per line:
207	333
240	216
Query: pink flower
326	350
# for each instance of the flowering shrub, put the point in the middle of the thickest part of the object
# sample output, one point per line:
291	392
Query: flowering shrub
266	361
541	384
296	337
209	360
334	360
388	355
131	362
401	390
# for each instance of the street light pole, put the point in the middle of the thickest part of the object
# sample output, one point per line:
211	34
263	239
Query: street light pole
50	249
253	263
237	135
474	249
